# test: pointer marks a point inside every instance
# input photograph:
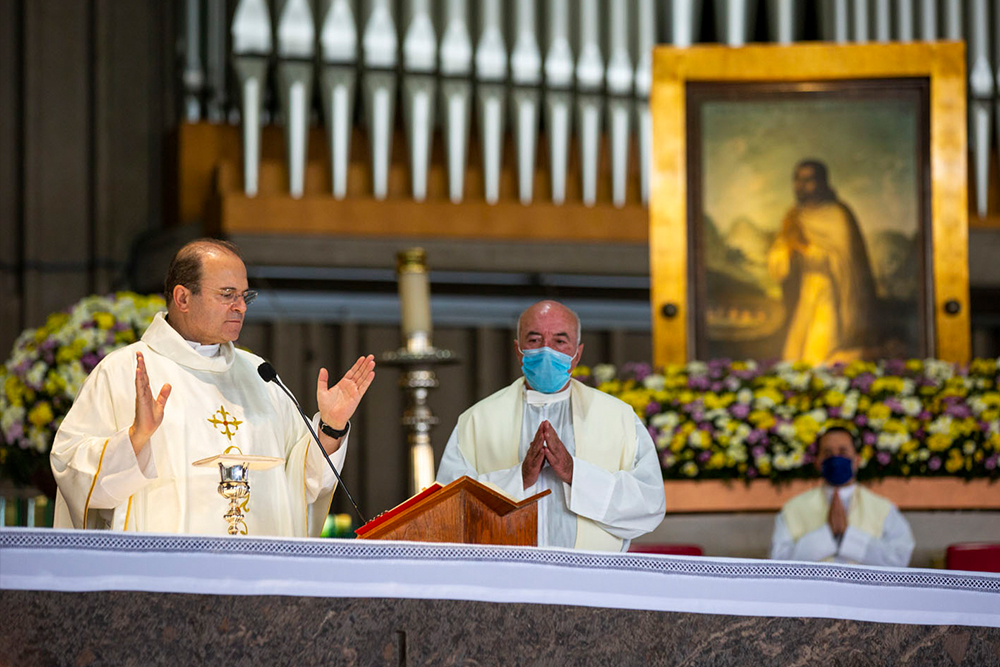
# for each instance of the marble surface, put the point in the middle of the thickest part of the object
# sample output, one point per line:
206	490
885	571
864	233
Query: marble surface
123	628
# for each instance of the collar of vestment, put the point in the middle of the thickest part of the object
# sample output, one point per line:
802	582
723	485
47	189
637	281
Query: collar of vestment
845	492
164	339
538	398
204	350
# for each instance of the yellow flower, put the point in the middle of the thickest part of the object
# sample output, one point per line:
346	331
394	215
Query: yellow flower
879	411
914	365
769	393
578	371
954	463
718	460
690	468
938	442
806	428
104	320
41	414
14	389
764	467
894	426
982	366
909	446
833	398
715	401
762	419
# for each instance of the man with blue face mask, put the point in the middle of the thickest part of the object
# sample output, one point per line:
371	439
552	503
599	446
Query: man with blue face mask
841	521
548	432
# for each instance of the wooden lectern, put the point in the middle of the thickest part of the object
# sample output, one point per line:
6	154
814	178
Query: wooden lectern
465	511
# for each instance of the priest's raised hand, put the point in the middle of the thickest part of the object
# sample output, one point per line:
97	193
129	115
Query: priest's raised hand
338	403
148	412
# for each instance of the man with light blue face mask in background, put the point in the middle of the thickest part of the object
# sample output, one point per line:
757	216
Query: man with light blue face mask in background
841	521
549	432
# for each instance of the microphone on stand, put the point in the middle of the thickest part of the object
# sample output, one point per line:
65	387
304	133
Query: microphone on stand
268	374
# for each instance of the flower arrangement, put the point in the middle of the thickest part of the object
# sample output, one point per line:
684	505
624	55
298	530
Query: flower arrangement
47	367
737	420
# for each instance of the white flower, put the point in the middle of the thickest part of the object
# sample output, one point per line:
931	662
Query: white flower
697	368
732	383
911	406
665	420
604	372
744	396
891	441
654	382
786	431
941	425
36	375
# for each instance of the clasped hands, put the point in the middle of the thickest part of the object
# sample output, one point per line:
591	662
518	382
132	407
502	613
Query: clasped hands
837	516
336	403
546	447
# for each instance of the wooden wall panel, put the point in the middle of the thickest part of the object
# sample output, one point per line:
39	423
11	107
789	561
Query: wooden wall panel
127	128
10	175
57	166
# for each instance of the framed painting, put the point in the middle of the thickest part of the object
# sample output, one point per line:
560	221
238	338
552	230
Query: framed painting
809	203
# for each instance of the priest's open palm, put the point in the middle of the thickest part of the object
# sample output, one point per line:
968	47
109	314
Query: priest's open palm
338	403
148	412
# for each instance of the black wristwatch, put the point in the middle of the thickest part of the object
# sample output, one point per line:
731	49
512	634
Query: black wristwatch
332	432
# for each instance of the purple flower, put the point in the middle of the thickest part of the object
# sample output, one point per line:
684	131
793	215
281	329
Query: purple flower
652	408
924	415
739	410
640	370
15	431
704	456
751	473
699	383
894	404
717	387
833	411
757	451
934	463
757	436
863	382
860	420
869	438
960	411
991	462
883	458
89	361
652	432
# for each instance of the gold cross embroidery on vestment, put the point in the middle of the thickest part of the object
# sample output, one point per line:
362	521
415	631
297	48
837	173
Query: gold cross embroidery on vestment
222	420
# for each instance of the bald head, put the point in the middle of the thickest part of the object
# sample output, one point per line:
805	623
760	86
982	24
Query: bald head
551	313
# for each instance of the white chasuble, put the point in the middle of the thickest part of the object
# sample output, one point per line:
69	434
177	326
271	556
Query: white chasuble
216	402
616	492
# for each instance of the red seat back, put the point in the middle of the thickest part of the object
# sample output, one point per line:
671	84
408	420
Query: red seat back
973	556
669	549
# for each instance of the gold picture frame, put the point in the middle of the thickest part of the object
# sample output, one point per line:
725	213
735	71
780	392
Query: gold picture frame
942	64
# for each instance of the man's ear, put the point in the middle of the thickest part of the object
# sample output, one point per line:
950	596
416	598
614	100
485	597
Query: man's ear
182	298
577	356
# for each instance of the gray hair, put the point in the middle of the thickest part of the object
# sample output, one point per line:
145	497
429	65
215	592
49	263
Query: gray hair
576	318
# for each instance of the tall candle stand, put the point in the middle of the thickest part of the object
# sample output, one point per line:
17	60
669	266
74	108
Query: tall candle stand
417	358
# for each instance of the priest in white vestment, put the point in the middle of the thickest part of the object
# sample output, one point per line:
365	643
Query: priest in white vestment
546	431
841	521
122	458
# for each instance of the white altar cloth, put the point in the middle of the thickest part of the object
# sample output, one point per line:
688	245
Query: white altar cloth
77	561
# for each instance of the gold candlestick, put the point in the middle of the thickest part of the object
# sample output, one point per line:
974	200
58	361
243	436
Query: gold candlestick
416	358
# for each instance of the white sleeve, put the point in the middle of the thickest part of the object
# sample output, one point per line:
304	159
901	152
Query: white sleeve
627	503
320	479
893	548
455	465
818	545
92	457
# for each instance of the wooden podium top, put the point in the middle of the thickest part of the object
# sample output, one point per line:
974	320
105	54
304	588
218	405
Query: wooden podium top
464	511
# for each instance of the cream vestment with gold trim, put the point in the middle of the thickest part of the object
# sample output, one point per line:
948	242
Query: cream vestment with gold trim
215	402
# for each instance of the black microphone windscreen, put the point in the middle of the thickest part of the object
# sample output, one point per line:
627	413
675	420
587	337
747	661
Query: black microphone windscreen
267	372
